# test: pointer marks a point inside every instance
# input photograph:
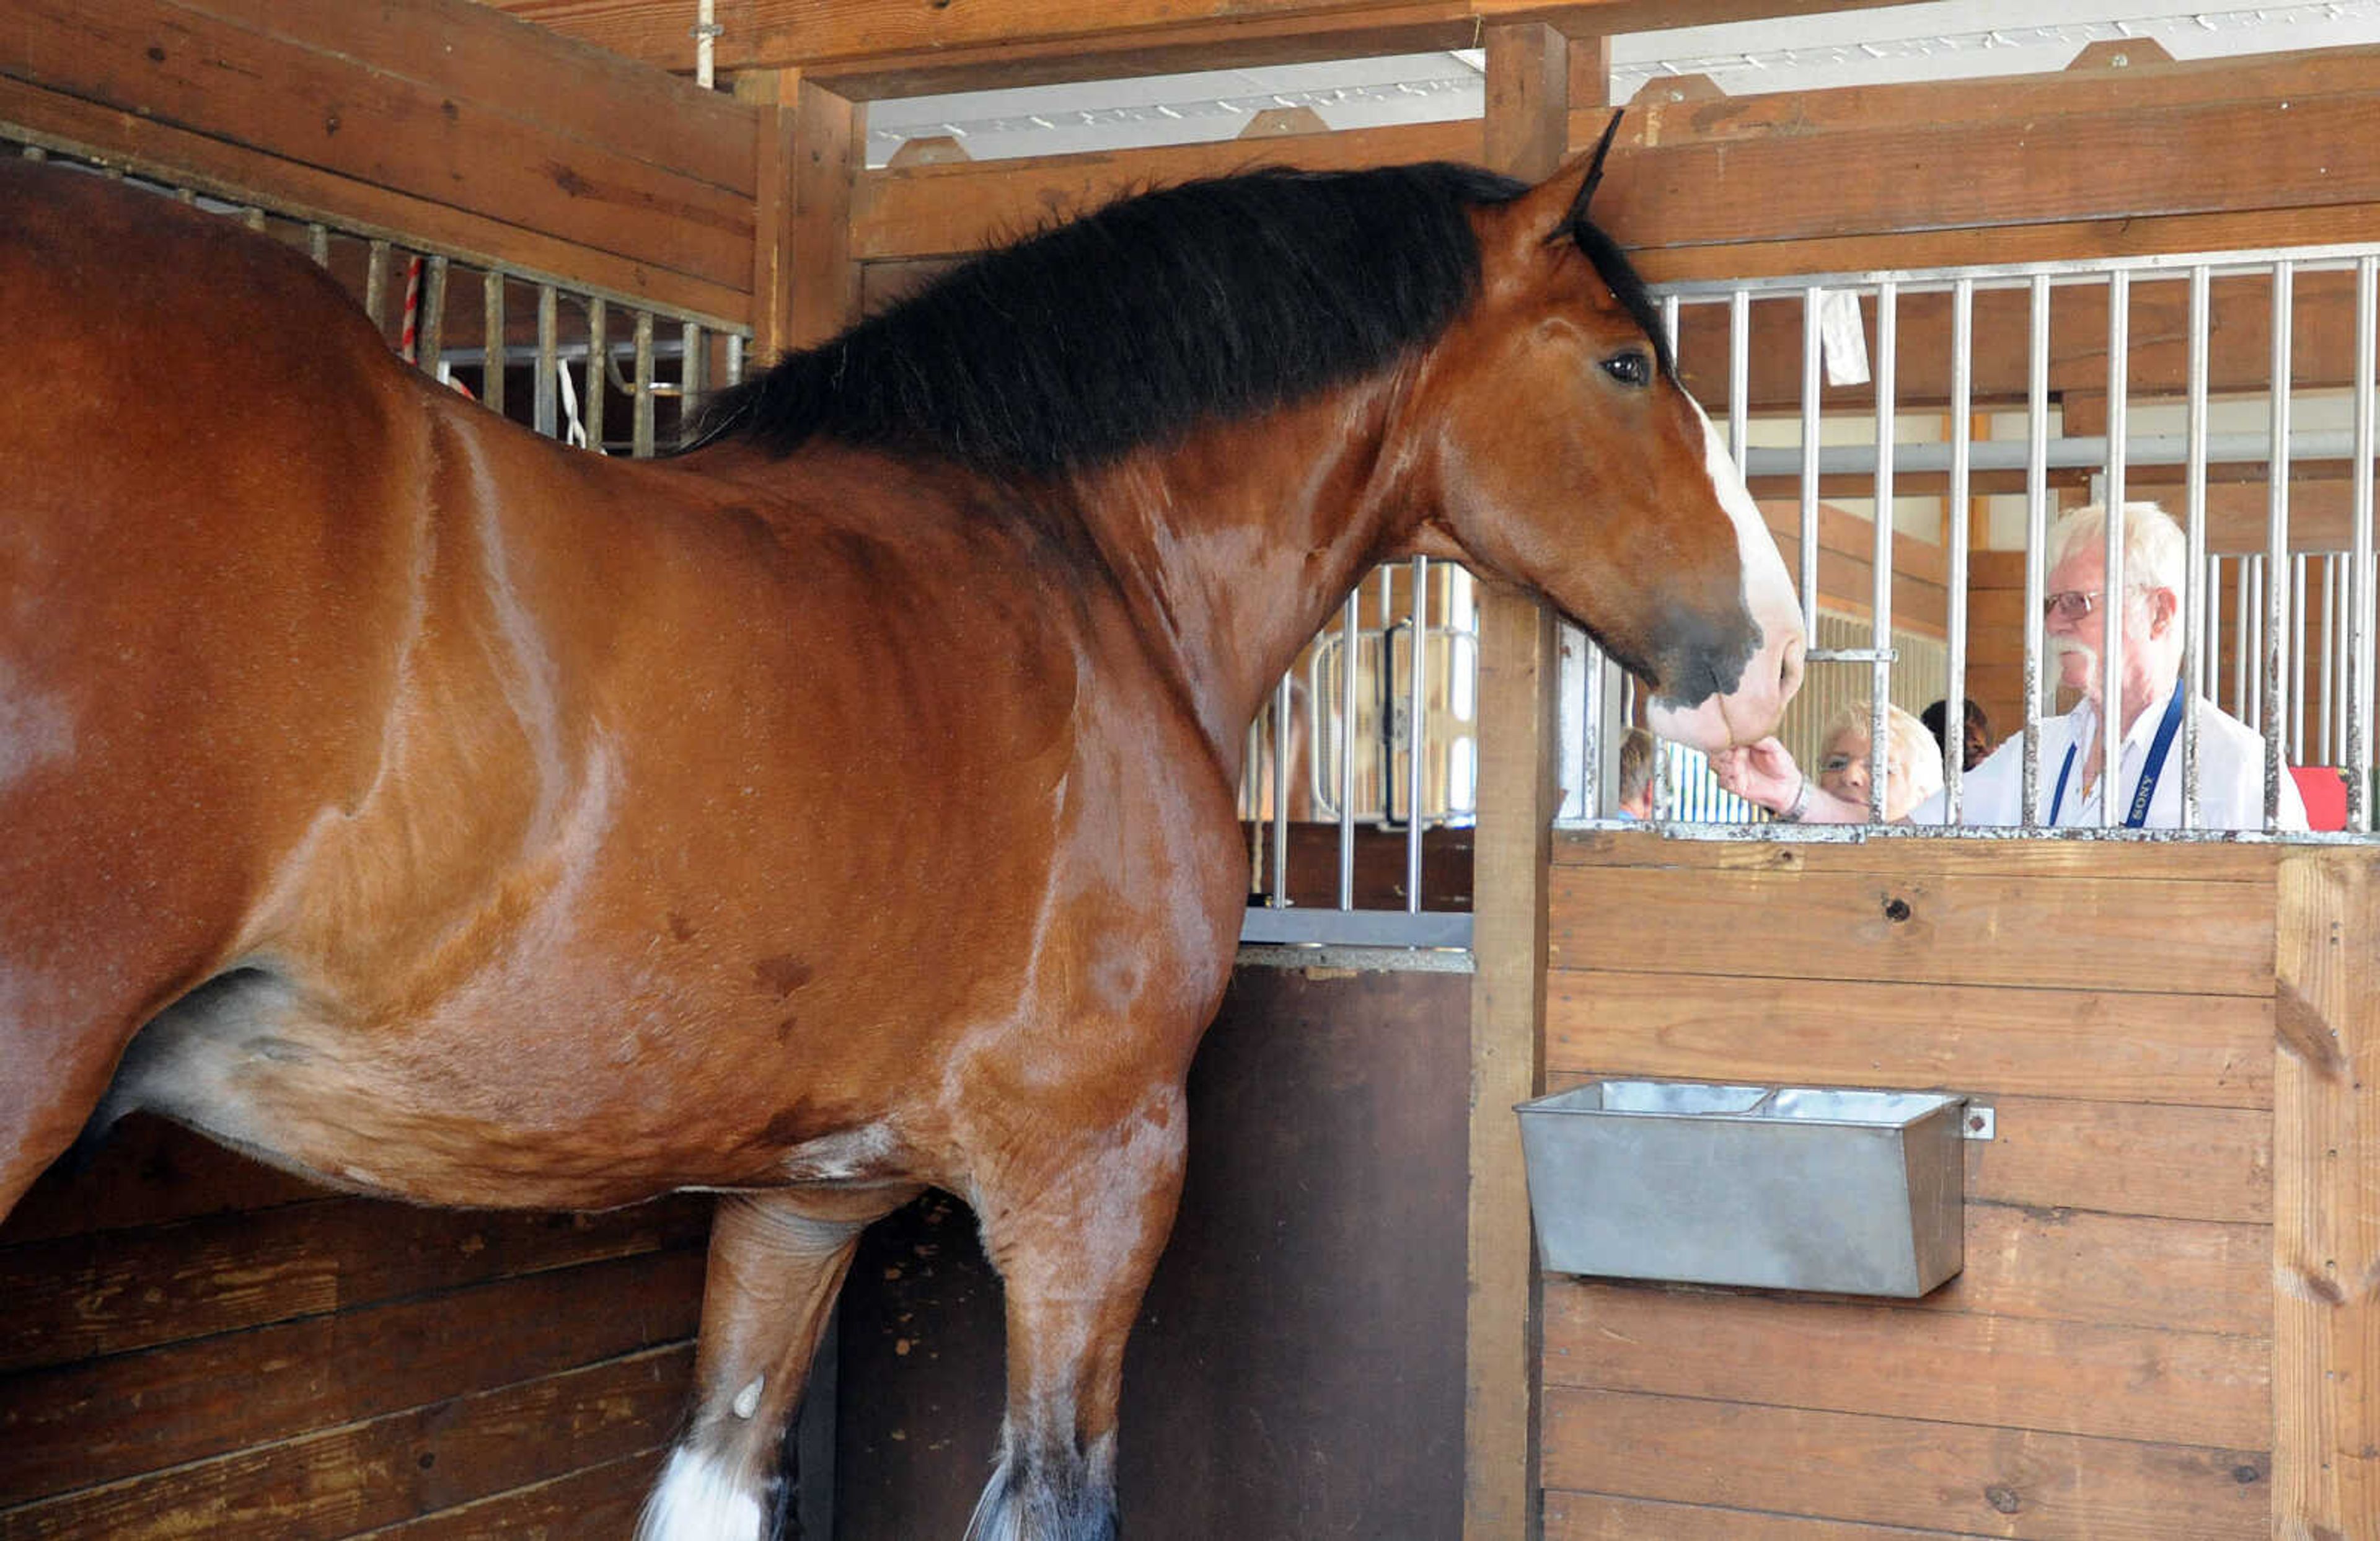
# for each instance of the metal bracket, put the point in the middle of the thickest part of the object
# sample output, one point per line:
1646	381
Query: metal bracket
1976	1121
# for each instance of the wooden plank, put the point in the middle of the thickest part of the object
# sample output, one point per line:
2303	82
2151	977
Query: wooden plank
365	1474
1962	929
2049	240
597	1502
2299	75
1598	1517
773	212
2326	1199
2127	1158
561	86
2163	864
181	67
79	1297
2073	1265
1528	85
1949	1368
2195	158
951	210
897	47
2106	1045
106	1420
188	159
829	145
1876	1471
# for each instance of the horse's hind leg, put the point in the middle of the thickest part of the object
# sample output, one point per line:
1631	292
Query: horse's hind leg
1075	1240
776	1262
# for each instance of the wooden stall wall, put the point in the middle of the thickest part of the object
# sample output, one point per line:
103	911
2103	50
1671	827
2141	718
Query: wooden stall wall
2103	1366
192	1344
1297	1366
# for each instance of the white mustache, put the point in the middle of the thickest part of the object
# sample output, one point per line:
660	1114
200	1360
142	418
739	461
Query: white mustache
2060	645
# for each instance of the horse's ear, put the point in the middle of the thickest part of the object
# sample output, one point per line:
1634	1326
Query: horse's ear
1594	175
1555	208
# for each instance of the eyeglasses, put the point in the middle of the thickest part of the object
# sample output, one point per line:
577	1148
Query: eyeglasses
2071	605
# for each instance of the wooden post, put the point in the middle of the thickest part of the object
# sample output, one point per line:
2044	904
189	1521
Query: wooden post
772	287
1528	76
2326	1199
805	284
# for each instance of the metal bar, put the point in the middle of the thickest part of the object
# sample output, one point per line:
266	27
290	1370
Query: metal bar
1356	927
1809	452
2359	573
2277	576
376	284
1590	714
2323	736
2077	452
1880	740
640	420
2209	684
545	409
2112	725
1282	704
318	243
735	357
1954	689
692	385
2197	599
431	339
2036	504
2294	680
1415	720
1738	372
1350	629
493	352
599	347
2250	645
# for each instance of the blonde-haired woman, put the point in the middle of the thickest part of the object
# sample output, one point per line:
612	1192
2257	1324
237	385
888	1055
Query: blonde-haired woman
1915	766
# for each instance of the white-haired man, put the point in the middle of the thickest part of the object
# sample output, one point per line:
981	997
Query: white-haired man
2148	774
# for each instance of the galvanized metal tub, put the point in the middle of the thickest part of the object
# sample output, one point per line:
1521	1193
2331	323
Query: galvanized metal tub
1791	1188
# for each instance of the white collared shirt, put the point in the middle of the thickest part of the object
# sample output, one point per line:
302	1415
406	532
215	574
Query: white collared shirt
2231	776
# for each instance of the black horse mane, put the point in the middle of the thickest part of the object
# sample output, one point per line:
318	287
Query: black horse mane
1205	301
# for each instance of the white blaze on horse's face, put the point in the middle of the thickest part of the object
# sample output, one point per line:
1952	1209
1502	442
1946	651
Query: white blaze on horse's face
1750	712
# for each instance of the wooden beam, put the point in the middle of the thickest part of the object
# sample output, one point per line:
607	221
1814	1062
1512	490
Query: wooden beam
827	154
1871	183
2326	1197
905	213
187	158
871	48
1529	72
362	114
773	138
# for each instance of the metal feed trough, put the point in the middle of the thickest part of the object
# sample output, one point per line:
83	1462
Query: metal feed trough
1789	1188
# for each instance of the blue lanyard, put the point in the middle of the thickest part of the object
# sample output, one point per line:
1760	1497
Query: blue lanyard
2150	772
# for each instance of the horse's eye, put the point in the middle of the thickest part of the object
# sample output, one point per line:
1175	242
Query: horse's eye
1630	368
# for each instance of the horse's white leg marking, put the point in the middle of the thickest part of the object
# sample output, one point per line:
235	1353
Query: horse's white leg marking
700	1499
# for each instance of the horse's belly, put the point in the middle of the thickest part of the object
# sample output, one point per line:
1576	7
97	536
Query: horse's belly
430	1114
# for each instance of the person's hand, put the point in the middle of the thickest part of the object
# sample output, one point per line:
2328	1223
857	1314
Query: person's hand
1763	773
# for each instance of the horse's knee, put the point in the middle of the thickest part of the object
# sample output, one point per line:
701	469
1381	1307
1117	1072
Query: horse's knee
1049	1491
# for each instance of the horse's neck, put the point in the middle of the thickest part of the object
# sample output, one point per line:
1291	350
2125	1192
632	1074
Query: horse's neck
1233	547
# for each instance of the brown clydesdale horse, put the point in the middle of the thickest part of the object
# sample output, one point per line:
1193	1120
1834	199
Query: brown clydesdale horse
842	808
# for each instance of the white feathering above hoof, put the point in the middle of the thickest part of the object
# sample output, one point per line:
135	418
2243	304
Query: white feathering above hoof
698	1501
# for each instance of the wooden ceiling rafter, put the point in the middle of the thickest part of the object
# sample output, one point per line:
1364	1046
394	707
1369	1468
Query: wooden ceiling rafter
864	48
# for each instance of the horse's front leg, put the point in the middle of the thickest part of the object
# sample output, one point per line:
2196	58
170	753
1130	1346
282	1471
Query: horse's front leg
776	1263
1074	1225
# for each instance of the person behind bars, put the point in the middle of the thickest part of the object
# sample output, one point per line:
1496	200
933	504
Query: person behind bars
2148	774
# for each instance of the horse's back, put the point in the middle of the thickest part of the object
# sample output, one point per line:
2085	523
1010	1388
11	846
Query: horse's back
200	532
